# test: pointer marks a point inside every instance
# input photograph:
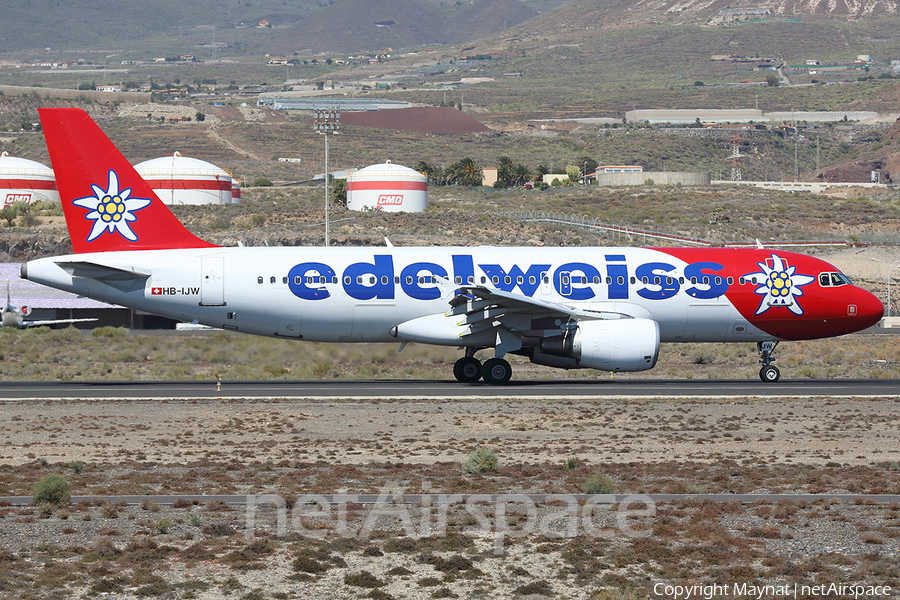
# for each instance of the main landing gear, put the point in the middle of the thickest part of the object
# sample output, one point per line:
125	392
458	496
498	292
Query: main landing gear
769	373
494	371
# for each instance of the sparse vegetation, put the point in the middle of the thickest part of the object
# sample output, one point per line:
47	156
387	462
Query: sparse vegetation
599	483
53	489
481	460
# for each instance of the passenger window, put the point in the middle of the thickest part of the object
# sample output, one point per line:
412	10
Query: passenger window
396	279
520	280
633	280
347	280
272	279
507	280
620	280
608	280
495	280
471	279
706	281
284	280
596	280
532	280
409	279
298	280
372	279
334	279
565	280
730	281
693	280
458	279
483	279
384	280
259	279
359	279
546	279
741	280
656	280
645	280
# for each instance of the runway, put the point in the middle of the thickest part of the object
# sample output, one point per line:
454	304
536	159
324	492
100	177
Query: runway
436	389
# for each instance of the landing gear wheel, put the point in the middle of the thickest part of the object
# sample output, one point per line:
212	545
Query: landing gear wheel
496	371
467	370
769	374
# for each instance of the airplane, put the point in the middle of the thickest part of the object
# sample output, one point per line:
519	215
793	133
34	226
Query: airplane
14	316
605	308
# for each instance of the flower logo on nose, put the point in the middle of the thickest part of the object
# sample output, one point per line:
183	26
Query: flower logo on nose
779	284
111	209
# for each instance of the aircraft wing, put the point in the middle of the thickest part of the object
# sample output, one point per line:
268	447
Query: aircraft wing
490	315
44	322
480	297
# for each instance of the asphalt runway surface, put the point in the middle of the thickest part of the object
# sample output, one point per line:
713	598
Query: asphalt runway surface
386	389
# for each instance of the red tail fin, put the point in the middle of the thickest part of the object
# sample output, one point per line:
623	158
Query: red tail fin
107	204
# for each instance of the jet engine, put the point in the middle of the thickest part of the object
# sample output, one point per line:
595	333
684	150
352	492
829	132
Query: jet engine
608	345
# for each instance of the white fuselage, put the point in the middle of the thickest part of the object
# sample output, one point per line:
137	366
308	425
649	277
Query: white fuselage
360	294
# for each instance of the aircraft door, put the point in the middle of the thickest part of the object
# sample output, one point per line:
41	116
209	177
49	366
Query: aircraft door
546	285
212	281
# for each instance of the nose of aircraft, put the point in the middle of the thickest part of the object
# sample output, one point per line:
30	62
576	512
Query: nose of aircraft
869	308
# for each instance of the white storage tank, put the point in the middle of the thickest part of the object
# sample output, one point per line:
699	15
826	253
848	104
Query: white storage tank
23	180
178	179
235	191
387	187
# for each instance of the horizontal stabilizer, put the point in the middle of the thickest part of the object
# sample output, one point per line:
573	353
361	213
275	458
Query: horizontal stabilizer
103	273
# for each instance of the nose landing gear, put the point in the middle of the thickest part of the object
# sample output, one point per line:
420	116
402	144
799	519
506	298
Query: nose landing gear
769	373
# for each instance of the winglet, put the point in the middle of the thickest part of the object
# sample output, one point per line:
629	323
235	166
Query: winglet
108	206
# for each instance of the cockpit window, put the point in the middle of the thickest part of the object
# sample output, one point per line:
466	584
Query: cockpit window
833	279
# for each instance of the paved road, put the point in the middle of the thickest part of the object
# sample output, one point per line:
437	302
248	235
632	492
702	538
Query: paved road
138	390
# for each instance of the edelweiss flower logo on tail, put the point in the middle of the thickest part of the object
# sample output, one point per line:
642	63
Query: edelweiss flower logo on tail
780	285
111	209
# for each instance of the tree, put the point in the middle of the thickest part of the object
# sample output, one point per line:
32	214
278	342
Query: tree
9	214
574	173
587	164
432	172
339	191
505	167
200	116
465	172
522	174
772	80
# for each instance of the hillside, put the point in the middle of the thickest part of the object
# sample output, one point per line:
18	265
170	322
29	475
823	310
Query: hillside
360	25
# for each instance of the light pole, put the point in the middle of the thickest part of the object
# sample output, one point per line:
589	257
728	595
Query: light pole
327	120
889	269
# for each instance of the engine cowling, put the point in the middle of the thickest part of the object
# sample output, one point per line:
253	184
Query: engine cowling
608	345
